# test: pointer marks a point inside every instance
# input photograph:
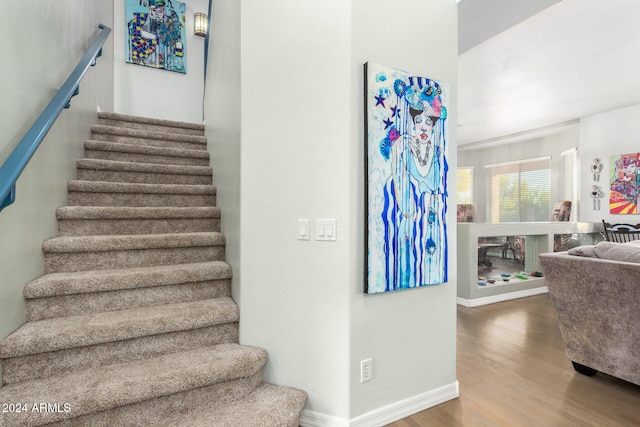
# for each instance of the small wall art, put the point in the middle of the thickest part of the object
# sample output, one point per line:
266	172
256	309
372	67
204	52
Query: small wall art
156	34
624	194
406	193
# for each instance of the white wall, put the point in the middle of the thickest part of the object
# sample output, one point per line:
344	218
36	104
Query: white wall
549	145
296	163
150	92
301	157
410	335
604	135
222	115
39	52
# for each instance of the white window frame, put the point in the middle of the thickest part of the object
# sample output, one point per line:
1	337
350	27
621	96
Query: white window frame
494	202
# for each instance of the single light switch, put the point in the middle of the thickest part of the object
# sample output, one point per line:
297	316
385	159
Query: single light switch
303	229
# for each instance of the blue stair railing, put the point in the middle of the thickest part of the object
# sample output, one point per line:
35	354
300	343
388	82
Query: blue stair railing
18	159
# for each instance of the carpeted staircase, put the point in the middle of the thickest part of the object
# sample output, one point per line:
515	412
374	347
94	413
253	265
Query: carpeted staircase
133	322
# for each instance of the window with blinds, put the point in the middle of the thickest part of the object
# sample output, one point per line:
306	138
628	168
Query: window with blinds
520	191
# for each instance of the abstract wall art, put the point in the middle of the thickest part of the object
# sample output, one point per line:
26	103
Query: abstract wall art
156	34
624	194
406	132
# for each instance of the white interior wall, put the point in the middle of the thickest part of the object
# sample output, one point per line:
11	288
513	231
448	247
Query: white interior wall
39	53
549	145
222	115
301	156
411	334
604	135
295	156
150	92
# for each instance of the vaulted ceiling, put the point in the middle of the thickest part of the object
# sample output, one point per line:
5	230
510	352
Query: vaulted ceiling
528	66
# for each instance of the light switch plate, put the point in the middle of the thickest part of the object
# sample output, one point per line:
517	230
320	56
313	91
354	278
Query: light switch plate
326	229
303	229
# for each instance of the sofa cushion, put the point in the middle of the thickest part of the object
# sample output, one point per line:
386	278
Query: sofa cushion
586	251
627	252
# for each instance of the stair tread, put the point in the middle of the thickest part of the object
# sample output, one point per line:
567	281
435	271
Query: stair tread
149	134
126	187
107	387
149	120
145	149
145	212
268	405
72	283
114	242
114	165
53	334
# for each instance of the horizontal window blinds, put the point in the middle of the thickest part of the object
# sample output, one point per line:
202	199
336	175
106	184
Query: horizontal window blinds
520	191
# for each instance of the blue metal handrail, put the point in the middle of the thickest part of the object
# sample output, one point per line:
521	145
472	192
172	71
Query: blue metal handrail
18	159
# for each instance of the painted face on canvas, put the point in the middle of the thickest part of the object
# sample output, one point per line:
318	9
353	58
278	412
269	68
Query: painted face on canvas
423	125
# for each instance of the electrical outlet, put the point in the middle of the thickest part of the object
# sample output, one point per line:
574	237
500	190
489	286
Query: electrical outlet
366	373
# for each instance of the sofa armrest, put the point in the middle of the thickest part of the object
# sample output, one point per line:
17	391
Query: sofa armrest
597	303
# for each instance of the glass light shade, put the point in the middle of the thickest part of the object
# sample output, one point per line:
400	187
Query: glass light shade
200	23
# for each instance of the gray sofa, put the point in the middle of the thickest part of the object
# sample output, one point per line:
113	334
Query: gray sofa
595	291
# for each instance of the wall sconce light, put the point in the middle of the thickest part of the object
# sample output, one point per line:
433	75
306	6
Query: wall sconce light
200	24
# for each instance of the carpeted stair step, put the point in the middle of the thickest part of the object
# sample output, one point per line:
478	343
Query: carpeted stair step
78	253
61	345
144	154
268	406
86	292
148	138
95	220
149	173
145	123
139	388
100	193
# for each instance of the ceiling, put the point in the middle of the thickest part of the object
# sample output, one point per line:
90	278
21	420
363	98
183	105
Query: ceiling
533	66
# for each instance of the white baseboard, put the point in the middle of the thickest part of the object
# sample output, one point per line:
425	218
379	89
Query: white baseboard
386	414
502	297
318	419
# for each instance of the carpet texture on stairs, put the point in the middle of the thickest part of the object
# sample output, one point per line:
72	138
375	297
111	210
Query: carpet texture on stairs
132	323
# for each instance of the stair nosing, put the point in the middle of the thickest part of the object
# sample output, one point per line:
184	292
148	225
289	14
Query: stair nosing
148	134
124	242
157	168
120	147
93	281
60	333
136	212
150	121
85	186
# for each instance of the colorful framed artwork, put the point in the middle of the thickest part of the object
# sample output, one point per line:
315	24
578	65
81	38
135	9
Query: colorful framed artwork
156	34
624	176
406	132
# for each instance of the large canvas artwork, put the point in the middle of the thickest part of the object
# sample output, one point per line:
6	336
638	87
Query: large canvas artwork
406	166
156	34
624	194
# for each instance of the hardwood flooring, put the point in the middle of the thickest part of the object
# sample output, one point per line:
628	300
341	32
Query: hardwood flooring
513	371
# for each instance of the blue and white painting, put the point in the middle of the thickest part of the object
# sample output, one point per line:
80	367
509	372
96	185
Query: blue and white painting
407	133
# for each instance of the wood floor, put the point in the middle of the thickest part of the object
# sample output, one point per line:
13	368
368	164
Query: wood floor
513	371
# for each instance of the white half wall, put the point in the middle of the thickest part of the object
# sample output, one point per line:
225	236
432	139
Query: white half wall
150	92
602	136
39	53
